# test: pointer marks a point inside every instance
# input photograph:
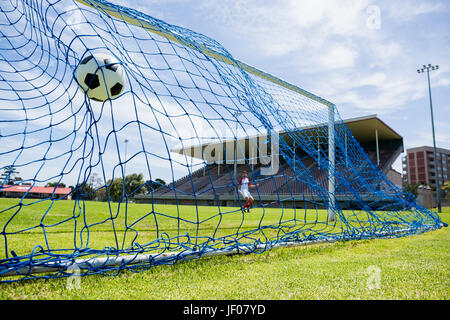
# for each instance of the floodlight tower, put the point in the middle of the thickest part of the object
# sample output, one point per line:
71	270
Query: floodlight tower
427	69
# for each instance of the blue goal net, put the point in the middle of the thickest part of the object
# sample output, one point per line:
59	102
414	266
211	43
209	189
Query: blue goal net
127	142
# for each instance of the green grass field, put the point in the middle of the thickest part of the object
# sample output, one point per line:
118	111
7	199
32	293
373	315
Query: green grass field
414	267
26	228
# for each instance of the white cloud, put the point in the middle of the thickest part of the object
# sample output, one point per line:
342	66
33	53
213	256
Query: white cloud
444	82
407	10
425	138
339	57
326	43
385	51
382	94
282	27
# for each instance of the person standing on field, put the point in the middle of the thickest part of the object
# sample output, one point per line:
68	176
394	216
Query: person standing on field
244	185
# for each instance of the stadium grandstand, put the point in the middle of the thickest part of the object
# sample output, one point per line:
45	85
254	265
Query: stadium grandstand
215	183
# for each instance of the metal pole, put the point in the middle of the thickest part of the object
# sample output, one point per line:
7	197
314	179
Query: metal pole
235	152
436	166
346	150
377	147
237	114
318	151
332	165
294	154
436	163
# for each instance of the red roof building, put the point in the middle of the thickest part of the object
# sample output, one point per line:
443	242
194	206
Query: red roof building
18	191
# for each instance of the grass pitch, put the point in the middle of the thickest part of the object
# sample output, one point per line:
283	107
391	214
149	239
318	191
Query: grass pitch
112	225
414	267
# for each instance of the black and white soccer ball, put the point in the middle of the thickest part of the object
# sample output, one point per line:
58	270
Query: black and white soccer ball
101	77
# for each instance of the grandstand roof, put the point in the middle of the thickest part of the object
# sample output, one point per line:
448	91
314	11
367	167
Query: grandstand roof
362	128
35	189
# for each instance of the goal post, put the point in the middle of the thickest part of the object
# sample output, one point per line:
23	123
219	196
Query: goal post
332	165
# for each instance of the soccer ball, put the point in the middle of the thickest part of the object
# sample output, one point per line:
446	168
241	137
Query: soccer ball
101	76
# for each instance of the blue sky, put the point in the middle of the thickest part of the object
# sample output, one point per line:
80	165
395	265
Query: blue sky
361	55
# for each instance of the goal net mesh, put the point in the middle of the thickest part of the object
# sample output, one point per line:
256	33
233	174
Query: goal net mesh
153	176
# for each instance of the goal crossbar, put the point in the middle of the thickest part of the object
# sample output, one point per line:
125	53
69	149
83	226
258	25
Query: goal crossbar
126	16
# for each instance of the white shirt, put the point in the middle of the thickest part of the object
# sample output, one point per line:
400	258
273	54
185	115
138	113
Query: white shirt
244	183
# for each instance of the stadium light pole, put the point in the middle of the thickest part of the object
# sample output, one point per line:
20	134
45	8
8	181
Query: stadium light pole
427	69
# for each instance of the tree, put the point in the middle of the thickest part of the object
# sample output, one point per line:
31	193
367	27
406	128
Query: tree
93	189
446	188
10	175
82	191
56	184
412	188
134	184
95	181
154	185
100	194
